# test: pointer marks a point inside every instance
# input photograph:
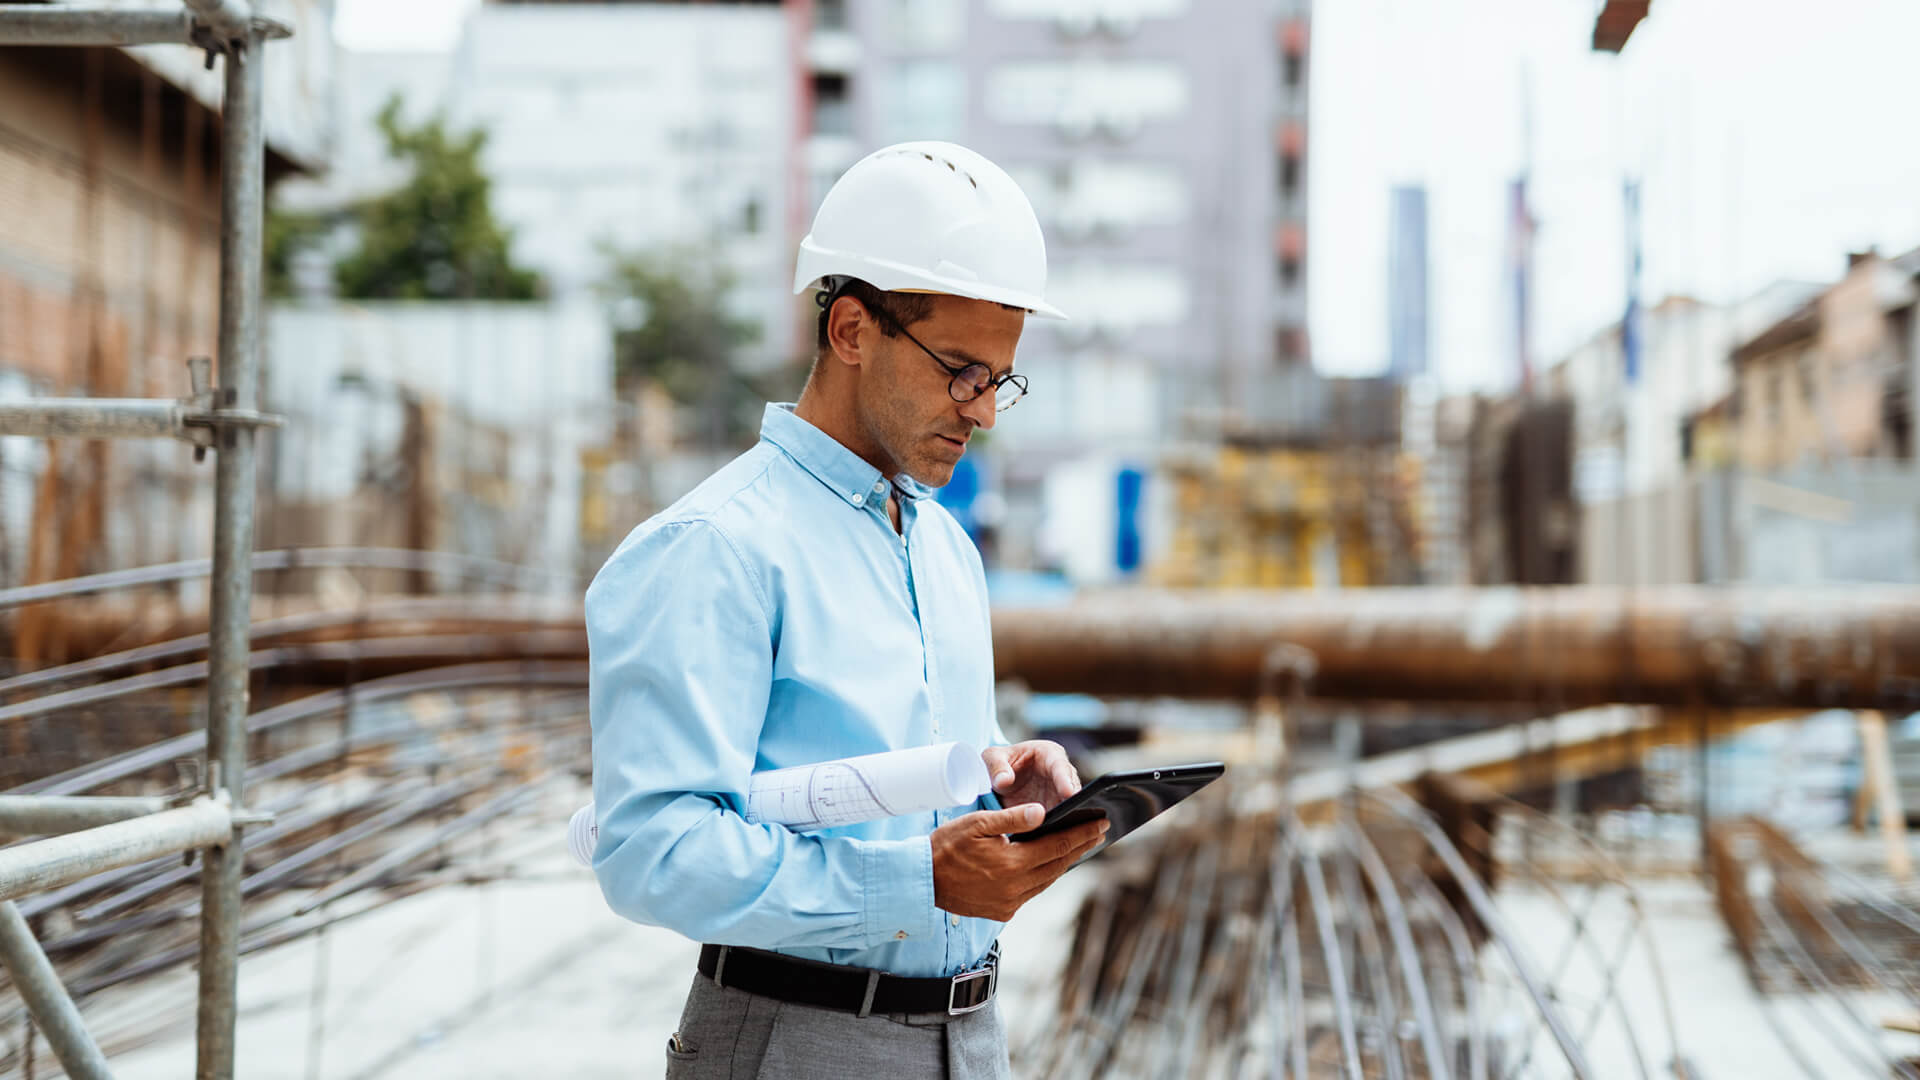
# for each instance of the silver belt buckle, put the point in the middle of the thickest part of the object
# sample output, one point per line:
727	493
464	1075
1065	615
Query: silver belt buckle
980	986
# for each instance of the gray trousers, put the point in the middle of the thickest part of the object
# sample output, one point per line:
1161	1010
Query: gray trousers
729	1034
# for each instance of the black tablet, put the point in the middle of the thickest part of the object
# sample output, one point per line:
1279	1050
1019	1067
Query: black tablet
1127	799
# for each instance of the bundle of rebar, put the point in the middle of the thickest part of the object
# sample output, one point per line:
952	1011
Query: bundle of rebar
378	792
1242	941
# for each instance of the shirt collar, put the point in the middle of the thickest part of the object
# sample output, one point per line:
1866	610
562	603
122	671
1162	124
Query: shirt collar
845	473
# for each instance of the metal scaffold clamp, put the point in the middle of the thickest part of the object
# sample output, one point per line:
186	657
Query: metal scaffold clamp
208	409
243	817
214	42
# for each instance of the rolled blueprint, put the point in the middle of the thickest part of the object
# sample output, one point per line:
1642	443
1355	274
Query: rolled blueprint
843	791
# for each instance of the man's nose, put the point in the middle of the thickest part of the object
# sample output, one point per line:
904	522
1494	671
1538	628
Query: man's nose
980	410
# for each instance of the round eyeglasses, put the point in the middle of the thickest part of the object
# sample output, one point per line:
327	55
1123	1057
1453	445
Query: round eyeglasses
968	381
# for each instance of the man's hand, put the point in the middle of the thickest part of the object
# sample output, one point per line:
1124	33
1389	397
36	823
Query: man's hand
1036	771
978	872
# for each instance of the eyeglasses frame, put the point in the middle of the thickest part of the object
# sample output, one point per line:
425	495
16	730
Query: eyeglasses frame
954	386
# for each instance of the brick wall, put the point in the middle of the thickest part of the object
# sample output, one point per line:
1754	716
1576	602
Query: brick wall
109	278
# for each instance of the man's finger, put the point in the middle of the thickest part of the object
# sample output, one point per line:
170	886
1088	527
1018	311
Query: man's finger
998	767
1014	819
1057	845
1065	778
1049	872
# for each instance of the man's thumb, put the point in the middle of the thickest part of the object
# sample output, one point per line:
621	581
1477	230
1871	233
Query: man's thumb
1014	819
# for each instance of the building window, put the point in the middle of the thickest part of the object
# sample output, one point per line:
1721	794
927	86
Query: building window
1292	66
832	105
1289	175
923	99
924	25
1289	272
1290	342
1081	96
830	14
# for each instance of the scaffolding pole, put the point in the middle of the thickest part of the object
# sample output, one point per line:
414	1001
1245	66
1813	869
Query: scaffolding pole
62	860
49	815
96	418
47	1000
76	24
224	419
242	205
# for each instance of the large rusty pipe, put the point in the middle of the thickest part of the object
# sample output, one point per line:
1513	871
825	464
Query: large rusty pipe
1556	647
1561	647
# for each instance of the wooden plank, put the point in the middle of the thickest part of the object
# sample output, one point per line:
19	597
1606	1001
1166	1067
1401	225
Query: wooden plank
1893	819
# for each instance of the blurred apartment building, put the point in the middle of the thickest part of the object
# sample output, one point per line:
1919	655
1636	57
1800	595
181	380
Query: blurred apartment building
612	126
1164	144
1770	441
1833	380
109	264
614	129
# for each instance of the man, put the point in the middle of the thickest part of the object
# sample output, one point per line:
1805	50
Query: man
809	602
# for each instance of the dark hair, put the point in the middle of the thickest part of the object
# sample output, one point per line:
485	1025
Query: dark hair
906	308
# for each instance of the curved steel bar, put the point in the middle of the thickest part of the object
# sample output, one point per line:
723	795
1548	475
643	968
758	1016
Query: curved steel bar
1461	946
1809	968
1280	902
1141	955
463	676
346	558
1385	1017
1400	931
425	608
1578	937
425	646
1489	915
1214	973
1330	952
1848	941
1603	860
1870	896
1192	934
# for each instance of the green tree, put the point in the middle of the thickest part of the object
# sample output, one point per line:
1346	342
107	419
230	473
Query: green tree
674	326
288	232
435	236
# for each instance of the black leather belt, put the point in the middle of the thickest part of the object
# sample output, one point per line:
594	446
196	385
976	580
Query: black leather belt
860	991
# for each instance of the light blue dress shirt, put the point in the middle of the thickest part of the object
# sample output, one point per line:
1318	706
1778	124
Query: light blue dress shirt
773	617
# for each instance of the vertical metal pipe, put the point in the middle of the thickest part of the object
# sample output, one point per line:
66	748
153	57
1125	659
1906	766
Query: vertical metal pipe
53	1010
242	201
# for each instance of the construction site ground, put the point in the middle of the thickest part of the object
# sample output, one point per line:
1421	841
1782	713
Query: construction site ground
527	976
531	975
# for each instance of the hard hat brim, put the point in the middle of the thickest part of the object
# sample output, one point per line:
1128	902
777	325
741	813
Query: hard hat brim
817	263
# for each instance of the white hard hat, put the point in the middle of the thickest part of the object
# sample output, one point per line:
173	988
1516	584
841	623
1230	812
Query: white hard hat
929	217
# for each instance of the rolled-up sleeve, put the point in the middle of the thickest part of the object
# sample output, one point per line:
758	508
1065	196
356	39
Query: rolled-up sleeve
680	634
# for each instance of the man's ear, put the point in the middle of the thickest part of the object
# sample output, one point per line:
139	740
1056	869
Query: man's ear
845	321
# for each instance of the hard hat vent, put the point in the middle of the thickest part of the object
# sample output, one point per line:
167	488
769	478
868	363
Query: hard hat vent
895	225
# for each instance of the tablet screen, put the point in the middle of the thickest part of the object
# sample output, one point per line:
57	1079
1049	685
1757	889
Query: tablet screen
1127	799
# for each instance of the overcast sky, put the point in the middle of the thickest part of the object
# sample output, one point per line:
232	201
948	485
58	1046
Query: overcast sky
1773	136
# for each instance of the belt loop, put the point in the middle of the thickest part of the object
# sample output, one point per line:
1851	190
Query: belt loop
720	965
866	1003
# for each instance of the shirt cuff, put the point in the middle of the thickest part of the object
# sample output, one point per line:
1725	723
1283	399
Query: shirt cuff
897	877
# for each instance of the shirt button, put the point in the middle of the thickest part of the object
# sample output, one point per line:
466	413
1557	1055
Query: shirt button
955	919
879	487
859	499
901	936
